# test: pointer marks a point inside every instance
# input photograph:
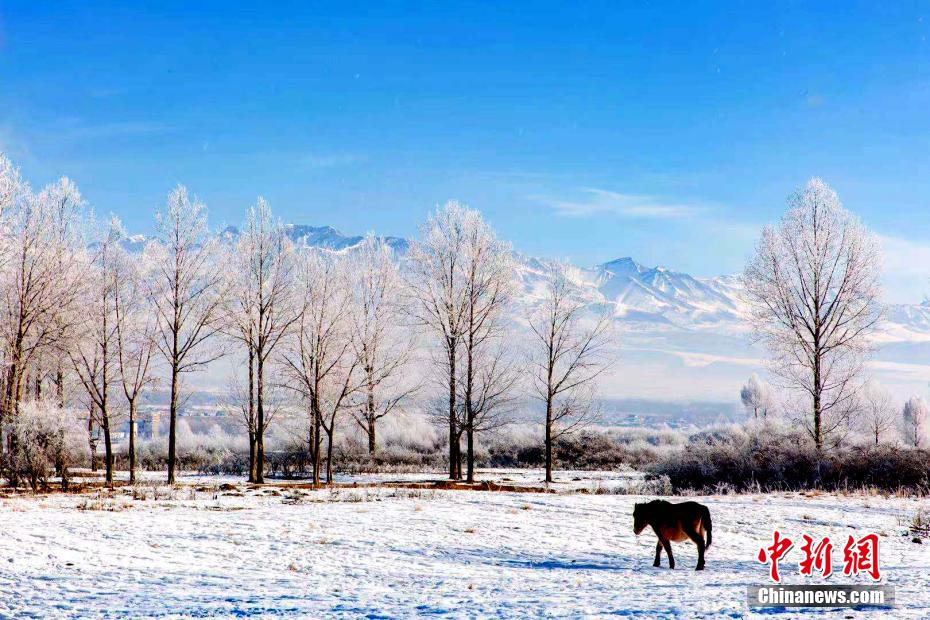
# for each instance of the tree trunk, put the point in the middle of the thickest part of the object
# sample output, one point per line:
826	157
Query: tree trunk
92	442
469	409
330	436
61	465
329	455
470	440
132	440
172	423
60	386
105	418
549	439
108	450
251	414
251	456
317	442
818	439
372	419
260	425
453	436
9	392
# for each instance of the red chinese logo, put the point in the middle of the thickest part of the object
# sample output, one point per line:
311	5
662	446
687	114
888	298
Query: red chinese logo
780	546
819	557
861	556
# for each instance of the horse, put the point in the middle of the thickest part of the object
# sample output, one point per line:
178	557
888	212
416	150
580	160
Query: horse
674	522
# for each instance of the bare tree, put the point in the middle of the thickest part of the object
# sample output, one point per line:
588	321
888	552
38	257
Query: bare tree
878	414
382	349
486	376
569	353
916	416
437	284
319	356
756	396
260	310
95	356
136	330
185	293
813	293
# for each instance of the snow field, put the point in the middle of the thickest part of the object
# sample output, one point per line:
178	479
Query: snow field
376	552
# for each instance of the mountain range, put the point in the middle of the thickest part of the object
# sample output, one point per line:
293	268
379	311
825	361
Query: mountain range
678	337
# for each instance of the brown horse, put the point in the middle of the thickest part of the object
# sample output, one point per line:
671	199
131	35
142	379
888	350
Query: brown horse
674	522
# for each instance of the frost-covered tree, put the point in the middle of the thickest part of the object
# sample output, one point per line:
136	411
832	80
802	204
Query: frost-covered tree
260	311
813	293
568	353
756	396
318	358
440	302
916	414
185	292
136	330
95	356
878	415
41	279
382	347
487	372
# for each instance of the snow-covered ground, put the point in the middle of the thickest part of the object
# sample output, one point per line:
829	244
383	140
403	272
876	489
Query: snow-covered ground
205	550
529	478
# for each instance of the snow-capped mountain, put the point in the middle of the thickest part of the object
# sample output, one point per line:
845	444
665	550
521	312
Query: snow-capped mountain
636	293
325	237
644	294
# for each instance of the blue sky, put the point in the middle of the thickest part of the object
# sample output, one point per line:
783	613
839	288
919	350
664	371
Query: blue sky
588	131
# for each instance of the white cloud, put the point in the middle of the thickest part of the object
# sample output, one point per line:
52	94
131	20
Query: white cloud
600	201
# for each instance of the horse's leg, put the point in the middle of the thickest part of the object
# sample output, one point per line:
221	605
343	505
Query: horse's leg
658	561
699	541
668	551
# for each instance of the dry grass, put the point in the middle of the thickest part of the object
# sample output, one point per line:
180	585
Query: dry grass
103	504
916	524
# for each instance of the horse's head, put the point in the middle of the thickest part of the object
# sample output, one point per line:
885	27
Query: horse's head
640	519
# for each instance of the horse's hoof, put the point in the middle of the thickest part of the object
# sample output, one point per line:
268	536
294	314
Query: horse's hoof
701	567
656	564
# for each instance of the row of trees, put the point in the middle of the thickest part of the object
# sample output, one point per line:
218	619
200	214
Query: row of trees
333	335
352	335
872	413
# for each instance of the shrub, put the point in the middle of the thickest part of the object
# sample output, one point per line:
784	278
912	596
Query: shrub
44	438
769	457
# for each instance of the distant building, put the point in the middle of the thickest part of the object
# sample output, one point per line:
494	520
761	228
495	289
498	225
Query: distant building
147	426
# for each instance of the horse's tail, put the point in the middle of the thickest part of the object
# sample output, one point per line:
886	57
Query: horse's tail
708	526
